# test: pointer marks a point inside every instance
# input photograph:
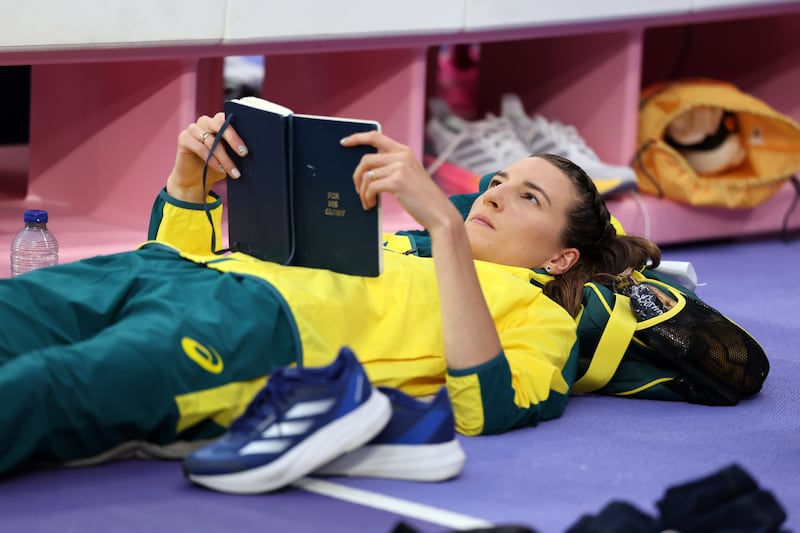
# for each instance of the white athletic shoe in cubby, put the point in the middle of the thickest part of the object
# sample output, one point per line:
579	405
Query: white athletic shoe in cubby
480	146
540	135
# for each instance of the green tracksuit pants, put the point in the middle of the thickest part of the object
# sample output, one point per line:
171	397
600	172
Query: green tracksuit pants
93	353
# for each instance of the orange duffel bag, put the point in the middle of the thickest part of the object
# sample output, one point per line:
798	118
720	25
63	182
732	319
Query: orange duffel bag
768	145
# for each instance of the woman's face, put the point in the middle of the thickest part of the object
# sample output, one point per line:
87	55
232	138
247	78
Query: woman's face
518	221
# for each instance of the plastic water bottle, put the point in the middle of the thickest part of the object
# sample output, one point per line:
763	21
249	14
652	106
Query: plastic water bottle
34	246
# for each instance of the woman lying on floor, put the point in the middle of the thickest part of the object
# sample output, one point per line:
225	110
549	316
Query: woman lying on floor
170	343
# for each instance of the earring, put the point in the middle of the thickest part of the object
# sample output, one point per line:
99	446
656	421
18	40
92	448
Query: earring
548	268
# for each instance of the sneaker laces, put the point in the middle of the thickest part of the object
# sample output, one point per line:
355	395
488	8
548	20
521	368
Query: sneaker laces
445	154
495	133
569	136
268	400
499	132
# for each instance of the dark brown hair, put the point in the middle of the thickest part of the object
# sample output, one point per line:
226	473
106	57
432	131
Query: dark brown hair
603	253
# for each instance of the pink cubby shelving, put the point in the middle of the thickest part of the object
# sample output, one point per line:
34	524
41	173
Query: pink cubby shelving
105	117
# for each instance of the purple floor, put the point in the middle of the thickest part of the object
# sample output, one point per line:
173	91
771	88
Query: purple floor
602	449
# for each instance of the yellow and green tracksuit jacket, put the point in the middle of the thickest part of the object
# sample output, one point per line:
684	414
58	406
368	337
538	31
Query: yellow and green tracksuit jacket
393	323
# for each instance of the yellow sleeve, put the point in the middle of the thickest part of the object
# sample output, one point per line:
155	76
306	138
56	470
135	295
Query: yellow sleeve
186	226
527	382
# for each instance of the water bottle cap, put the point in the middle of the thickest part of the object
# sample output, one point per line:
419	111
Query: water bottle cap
35	216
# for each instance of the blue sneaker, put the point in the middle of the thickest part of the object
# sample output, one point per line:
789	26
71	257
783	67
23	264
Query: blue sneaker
302	419
418	444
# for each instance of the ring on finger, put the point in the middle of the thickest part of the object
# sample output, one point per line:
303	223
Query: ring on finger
204	135
370	175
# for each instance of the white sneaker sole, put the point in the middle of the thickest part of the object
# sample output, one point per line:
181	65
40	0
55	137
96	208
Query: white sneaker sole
411	462
340	436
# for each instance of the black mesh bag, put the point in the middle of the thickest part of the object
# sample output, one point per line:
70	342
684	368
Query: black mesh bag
718	361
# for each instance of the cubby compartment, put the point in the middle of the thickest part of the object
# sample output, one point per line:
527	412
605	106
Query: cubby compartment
102	138
761	56
590	81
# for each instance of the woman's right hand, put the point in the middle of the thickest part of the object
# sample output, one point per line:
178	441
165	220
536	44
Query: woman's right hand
185	182
469	333
396	170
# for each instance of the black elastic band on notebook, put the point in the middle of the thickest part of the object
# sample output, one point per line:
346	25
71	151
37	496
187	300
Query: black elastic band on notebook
214	144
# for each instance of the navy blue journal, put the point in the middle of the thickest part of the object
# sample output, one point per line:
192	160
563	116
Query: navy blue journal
295	202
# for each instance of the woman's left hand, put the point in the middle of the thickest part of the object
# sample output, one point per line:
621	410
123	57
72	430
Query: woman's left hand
185	181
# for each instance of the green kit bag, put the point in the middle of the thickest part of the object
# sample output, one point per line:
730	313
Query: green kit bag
682	350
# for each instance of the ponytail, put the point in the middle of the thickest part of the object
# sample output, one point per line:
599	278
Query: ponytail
617	254
603	253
